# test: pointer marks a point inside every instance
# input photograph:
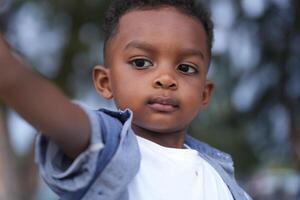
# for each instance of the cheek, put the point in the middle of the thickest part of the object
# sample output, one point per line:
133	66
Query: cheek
192	91
127	94
192	109
192	97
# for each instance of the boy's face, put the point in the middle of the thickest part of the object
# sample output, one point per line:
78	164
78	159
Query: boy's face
156	65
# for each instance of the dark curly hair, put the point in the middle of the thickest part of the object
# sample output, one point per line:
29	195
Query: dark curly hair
189	7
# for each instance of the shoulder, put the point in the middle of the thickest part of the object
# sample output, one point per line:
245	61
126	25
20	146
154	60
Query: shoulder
105	117
107	125
221	161
121	115
206	150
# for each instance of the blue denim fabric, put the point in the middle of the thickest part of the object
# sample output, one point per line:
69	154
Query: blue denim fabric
105	169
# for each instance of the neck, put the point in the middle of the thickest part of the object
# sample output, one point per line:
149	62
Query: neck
167	139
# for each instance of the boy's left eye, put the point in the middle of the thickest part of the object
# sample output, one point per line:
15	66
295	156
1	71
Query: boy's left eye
140	63
187	69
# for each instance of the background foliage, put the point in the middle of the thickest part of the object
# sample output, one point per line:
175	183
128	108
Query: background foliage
255	111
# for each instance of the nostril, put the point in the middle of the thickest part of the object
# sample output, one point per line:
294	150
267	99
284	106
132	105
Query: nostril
173	85
158	83
165	83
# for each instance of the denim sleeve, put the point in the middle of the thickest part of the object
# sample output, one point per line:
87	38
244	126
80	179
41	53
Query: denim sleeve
63	175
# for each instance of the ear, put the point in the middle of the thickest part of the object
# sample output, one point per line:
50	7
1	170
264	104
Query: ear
207	92
101	78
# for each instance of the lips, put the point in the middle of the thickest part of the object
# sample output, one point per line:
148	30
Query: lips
163	104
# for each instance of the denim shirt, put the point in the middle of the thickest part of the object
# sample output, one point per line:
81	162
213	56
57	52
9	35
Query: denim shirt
105	169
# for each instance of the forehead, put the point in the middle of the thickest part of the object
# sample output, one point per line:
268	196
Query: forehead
166	26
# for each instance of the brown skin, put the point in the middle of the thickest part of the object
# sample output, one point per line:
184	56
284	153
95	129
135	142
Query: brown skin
156	65
42	104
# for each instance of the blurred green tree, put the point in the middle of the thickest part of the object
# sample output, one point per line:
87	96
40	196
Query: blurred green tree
254	114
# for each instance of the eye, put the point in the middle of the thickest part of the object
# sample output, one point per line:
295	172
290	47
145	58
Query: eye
140	63
187	69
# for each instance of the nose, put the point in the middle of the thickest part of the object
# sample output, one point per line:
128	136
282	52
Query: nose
165	82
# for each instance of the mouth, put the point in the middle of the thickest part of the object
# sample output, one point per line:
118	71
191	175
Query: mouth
163	104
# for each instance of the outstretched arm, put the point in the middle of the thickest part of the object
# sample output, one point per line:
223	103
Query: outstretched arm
42	104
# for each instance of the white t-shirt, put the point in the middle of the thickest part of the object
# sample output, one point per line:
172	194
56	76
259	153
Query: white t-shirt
175	174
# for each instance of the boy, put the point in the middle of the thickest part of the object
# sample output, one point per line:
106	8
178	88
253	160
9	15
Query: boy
157	54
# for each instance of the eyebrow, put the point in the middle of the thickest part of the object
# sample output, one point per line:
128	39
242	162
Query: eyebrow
140	45
193	52
150	48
